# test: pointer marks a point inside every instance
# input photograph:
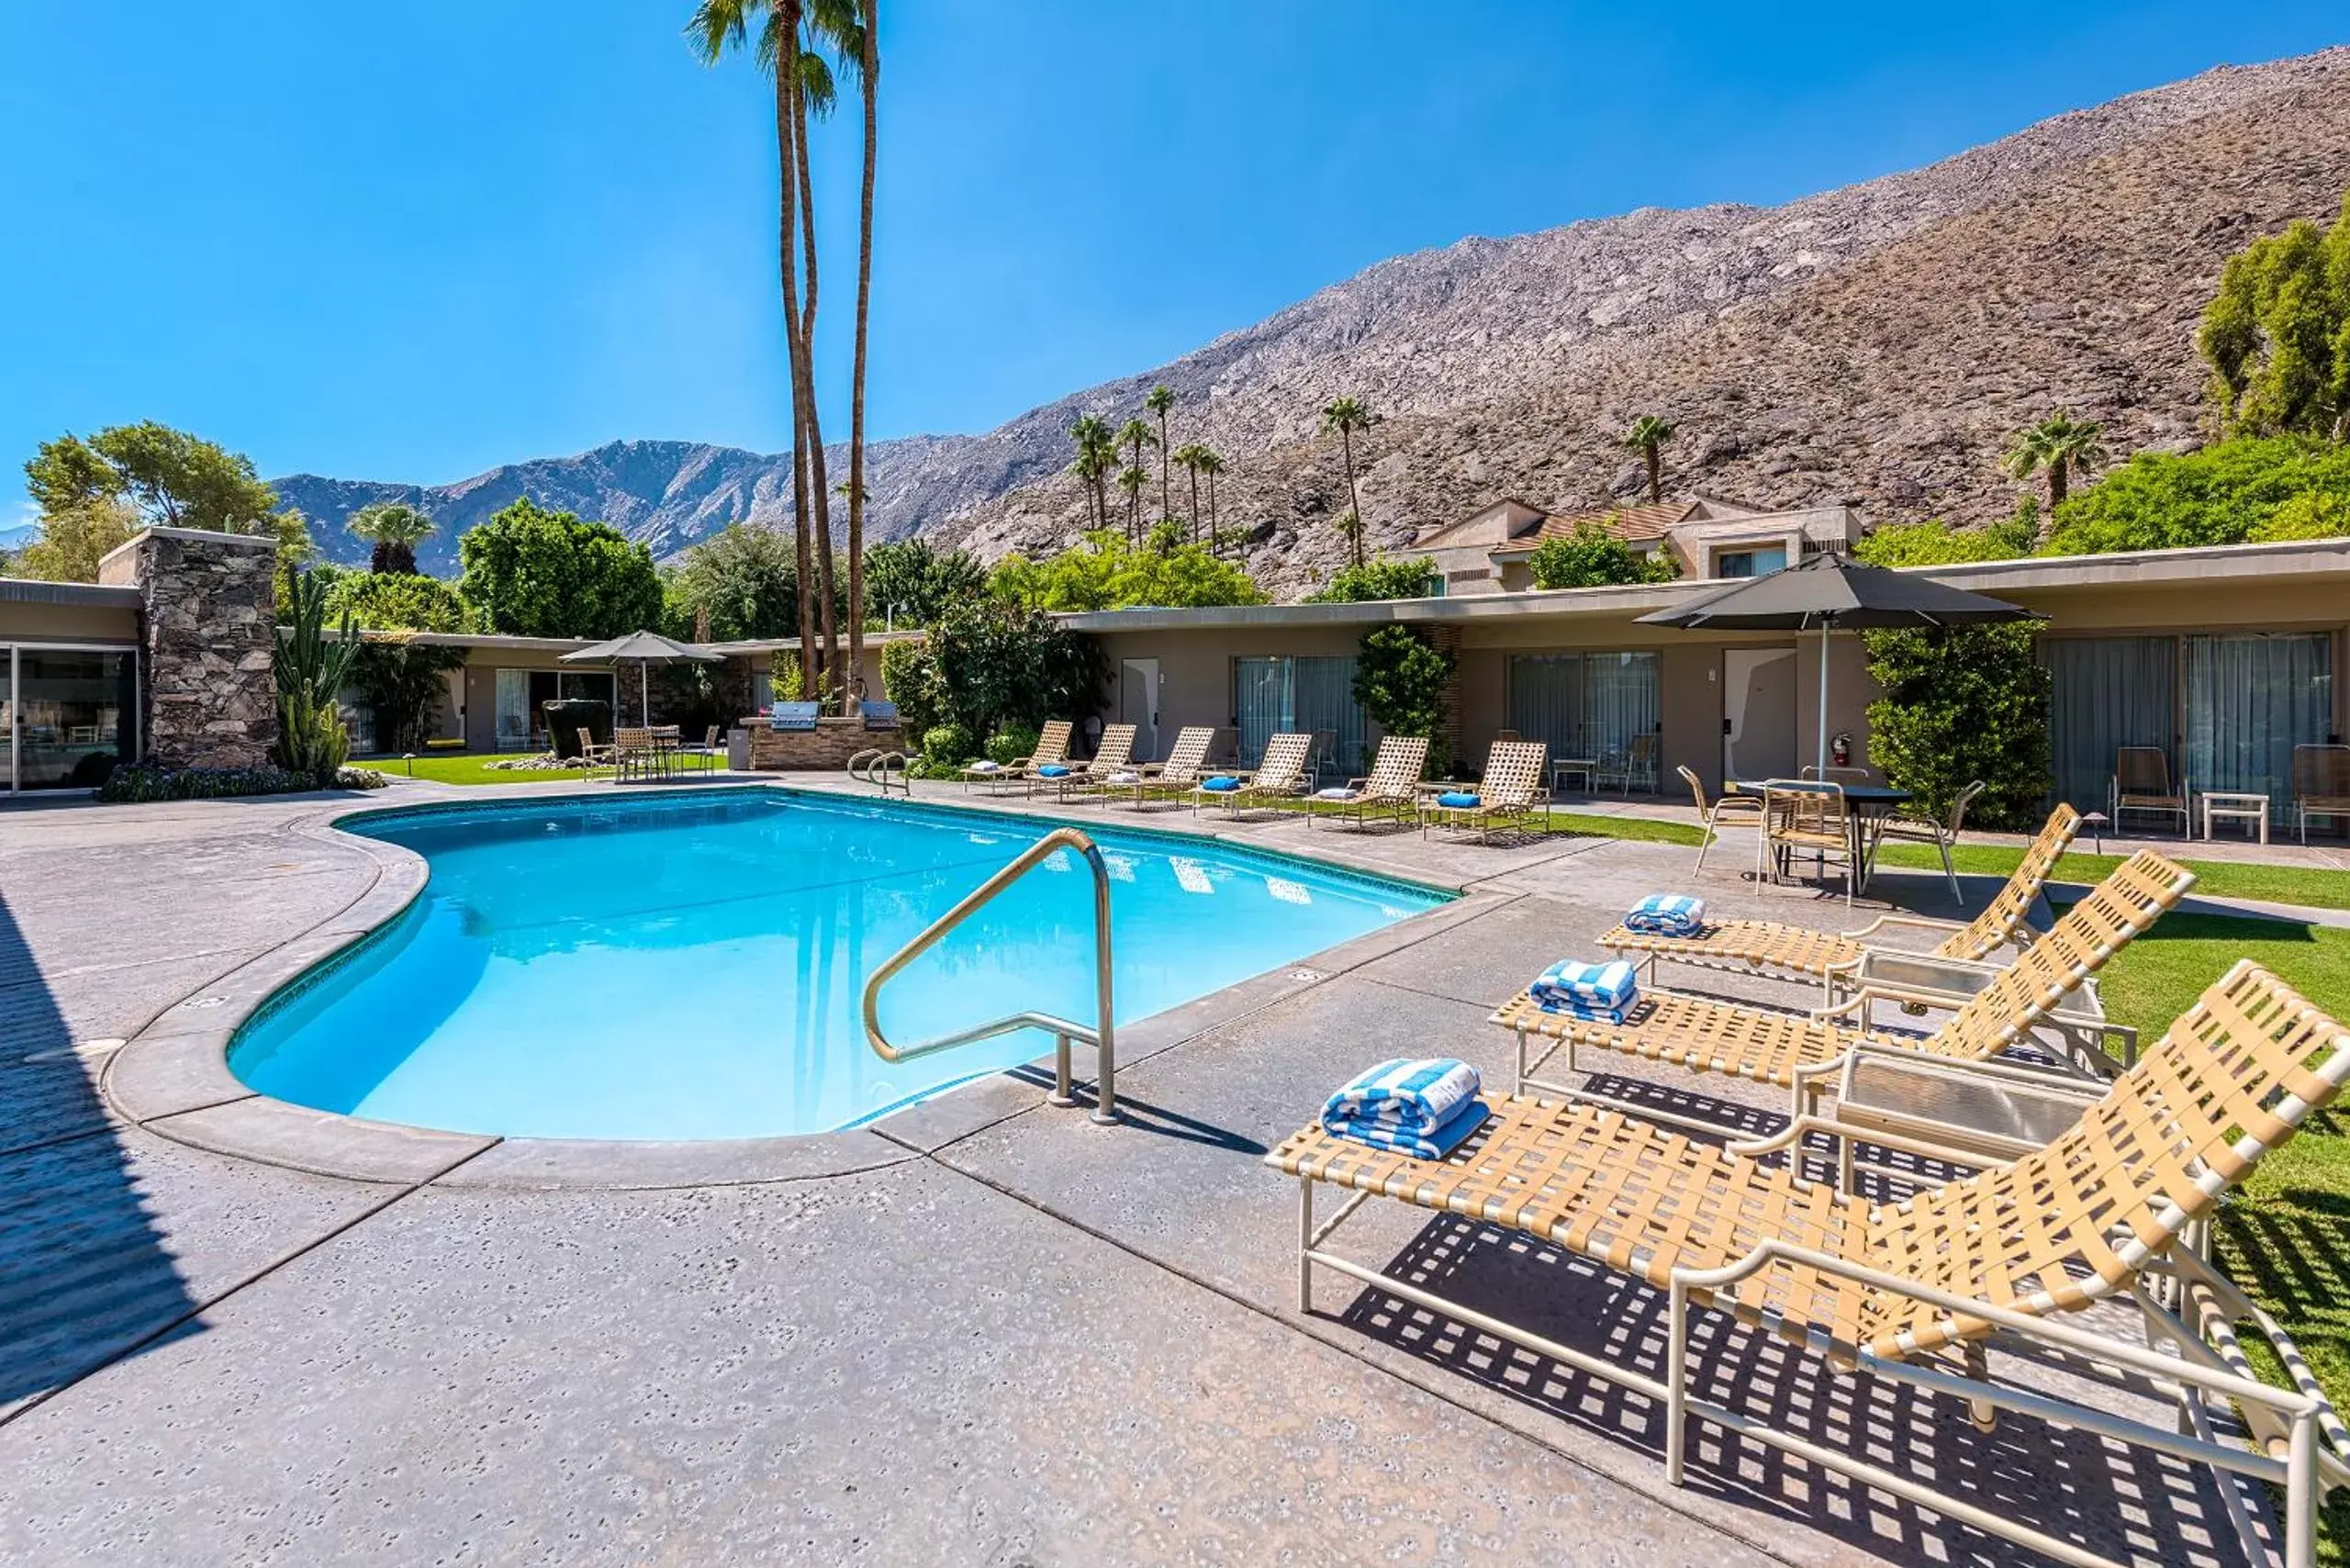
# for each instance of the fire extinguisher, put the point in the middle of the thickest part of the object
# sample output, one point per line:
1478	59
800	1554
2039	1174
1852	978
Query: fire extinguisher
1841	747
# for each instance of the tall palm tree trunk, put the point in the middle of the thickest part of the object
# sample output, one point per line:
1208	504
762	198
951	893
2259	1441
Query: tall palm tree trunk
1656	471
857	375
1164	509
1195	503
784	135
2059	481
1354	500
1216	546
819	493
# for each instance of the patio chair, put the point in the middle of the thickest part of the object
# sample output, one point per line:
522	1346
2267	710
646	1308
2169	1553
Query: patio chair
2141	783
1909	825
595	754
1731	806
1391	792
1810	818
2320	785
1113	755
1785	952
2115	1208
1279	775
632	754
1801	1052
1635	765
1185	766
1515	786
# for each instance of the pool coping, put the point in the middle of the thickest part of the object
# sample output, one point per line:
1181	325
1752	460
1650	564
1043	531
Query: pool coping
173	1078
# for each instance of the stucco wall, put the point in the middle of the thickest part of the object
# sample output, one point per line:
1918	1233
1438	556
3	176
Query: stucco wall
67	623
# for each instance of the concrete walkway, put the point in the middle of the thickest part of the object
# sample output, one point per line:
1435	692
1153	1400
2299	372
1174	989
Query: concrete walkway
1016	1338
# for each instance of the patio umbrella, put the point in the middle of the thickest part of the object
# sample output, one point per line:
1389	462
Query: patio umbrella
645	649
1834	593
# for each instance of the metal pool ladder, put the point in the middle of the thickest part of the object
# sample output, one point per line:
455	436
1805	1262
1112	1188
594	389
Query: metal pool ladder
1103	1037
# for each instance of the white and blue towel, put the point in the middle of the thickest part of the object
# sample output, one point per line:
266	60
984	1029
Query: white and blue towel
1596	991
1422	1107
1667	915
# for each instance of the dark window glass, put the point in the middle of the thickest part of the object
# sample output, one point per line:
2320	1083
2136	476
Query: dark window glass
76	717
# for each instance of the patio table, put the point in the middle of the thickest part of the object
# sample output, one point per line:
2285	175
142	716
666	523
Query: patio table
1866	808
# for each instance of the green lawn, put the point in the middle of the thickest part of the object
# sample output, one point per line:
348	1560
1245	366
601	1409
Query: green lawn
2286	1238
461	769
2307	886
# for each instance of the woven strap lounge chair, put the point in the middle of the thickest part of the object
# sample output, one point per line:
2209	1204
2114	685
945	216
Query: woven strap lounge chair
1515	787
1799	952
2113	1207
1279	775
1185	766
1391	792
1802	1052
1112	757
1052	745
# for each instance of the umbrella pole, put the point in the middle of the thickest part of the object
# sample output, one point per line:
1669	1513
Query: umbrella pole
1823	700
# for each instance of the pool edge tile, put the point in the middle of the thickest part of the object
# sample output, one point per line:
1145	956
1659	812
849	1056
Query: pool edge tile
320	1142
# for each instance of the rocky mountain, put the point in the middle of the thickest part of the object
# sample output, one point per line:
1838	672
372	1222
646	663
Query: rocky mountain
1874	345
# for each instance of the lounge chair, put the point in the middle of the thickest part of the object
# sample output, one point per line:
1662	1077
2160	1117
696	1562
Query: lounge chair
1802	1052
2141	784
1766	947
1052	746
1514	789
2320	785
1113	755
1391	792
1185	766
1279	775
2114	1208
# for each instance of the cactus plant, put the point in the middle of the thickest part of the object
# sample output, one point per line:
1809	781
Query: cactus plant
312	668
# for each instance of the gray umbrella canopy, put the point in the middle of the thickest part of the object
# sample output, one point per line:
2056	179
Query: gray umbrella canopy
1833	592
644	649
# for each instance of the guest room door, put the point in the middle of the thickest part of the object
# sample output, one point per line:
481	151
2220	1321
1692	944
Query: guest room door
1138	705
1758	714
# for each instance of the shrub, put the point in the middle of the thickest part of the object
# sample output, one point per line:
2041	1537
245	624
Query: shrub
1962	704
1936	544
131	785
1002	664
397	601
1014	744
1377	579
945	748
1107	572
910	680
1402	680
400	682
1593	558
2225	494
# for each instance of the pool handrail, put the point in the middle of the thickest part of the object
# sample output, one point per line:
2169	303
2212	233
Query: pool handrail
1101	1036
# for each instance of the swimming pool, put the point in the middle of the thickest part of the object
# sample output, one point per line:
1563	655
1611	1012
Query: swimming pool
691	967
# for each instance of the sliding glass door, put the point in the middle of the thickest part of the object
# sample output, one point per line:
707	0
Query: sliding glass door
1271	696
1584	705
69	715
2107	694
2250	700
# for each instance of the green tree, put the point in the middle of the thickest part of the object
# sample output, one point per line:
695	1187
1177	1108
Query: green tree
1403	682
2277	335
1936	544
744	579
1343	417
1001	664
74	538
1962	703
170	477
910	679
1134	435
1107	572
1161	402
530	572
2060	445
2309	516
1209	463
395	601
1647	437
1097	458
401	681
1380	578
394	529
2225	494
855	29
1593	556
913	583
1189	457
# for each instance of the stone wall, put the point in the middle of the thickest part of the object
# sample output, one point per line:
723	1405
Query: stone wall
207	639
829	745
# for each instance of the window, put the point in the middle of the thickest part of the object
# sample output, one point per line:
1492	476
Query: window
1271	696
1584	705
67	716
1749	562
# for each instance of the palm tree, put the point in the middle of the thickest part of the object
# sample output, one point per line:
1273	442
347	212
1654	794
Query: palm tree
395	528
813	95
853	27
1209	463
1189	456
1135	436
1647	435
1346	416
1096	455
1161	402
1349	523
2060	444
719	25
1132	480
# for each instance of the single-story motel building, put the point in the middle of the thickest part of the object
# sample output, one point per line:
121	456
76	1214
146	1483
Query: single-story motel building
2226	657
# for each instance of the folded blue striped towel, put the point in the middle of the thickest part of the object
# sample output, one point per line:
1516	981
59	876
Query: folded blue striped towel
1429	1143
1667	915
1411	1094
1587	991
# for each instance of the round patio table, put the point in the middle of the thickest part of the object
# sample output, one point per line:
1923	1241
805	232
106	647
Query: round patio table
1866	808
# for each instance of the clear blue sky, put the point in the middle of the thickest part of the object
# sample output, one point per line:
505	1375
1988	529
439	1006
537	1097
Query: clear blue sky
411	241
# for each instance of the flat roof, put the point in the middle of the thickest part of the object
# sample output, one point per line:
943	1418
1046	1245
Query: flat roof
93	596
2293	558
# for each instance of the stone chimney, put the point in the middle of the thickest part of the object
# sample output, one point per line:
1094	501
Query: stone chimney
207	641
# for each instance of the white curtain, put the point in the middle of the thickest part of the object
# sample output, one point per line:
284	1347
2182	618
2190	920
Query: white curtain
2109	692
2250	699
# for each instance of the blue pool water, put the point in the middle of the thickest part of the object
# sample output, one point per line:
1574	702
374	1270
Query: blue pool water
691	968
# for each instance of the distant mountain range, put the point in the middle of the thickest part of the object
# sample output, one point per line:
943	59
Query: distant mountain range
1874	345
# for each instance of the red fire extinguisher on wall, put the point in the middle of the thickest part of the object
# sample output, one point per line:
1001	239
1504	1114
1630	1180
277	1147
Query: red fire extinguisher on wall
1841	749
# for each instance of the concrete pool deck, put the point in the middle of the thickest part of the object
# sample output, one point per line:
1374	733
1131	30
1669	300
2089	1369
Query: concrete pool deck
999	1335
